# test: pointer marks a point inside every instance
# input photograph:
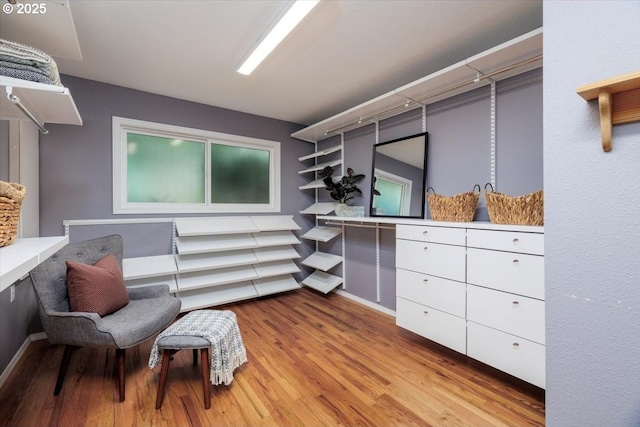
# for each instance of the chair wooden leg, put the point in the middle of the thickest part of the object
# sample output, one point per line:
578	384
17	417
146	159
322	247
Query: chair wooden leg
167	355
64	364
206	386
120	369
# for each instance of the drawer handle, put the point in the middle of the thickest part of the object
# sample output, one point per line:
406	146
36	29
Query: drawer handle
515	241
515	345
516	303
425	232
425	248
516	261
425	312
425	280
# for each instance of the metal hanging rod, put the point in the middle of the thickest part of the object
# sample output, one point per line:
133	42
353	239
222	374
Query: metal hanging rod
16	100
415	102
359	225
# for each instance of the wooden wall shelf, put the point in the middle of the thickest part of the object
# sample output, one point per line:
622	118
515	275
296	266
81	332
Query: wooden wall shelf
618	100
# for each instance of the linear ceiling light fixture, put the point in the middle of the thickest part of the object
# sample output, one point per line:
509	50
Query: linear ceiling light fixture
287	23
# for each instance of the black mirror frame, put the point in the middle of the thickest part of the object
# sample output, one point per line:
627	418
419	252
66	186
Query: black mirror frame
424	176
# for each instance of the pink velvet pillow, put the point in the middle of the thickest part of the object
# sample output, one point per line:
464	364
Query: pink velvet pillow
97	288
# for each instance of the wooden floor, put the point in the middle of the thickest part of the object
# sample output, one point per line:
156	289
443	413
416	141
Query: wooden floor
314	360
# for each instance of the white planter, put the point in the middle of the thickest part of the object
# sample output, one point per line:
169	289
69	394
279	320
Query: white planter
343	209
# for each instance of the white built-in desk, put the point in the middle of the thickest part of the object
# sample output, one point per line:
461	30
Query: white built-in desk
23	255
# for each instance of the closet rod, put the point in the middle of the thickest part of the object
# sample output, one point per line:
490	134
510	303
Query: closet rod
348	224
414	102
16	100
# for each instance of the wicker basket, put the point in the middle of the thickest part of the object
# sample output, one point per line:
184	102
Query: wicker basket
527	209
11	196
458	208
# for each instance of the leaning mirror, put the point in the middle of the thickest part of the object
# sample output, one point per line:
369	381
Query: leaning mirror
399	175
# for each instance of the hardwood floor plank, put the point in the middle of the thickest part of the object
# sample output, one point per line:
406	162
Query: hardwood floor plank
313	360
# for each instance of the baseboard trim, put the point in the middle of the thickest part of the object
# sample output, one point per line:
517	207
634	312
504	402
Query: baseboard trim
16	357
363	301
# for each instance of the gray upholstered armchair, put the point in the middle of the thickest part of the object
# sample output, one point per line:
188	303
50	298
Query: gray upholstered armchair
150	308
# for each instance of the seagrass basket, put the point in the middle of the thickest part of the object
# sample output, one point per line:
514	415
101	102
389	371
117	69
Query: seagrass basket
458	208
11	196
527	209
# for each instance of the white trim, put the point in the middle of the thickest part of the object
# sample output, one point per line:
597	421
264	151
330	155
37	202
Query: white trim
16	357
121	126
369	304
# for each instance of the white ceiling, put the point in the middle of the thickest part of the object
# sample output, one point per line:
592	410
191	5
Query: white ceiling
342	54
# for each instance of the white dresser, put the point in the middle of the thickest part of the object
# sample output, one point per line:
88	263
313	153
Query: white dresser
477	288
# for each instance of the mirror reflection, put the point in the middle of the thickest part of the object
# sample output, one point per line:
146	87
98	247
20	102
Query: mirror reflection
399	174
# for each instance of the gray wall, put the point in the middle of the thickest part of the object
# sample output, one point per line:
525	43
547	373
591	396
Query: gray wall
459	156
592	226
76	180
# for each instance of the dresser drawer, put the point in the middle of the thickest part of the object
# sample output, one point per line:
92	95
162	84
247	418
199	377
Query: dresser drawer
516	273
438	326
425	233
516	356
432	258
435	292
509	241
510	313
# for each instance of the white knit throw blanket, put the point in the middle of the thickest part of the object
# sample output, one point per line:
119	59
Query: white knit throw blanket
220	328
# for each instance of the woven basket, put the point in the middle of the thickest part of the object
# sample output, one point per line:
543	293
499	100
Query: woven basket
458	208
521	210
11	196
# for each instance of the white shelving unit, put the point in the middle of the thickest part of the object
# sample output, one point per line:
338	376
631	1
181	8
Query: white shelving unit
322	233
151	270
223	259
320	208
47	103
321	280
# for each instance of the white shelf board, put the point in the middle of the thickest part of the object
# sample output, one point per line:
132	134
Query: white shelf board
318	183
211	278
321	233
48	103
275	238
276	268
214	225
321	166
320	153
215	243
23	255
275	223
272	285
526	46
321	281
322	261
156	280
276	253
215	260
320	208
149	266
224	294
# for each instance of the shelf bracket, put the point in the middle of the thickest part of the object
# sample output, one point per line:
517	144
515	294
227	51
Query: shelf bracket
618	102
16	100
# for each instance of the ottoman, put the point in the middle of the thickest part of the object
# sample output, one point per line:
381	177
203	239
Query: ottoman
212	333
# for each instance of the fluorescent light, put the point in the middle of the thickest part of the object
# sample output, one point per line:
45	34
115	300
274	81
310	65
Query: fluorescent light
287	23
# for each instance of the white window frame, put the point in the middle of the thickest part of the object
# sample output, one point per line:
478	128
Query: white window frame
121	126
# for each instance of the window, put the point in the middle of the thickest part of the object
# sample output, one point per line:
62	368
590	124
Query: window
169	169
395	193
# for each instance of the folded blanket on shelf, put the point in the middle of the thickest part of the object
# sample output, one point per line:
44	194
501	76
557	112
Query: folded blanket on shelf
25	75
16	56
